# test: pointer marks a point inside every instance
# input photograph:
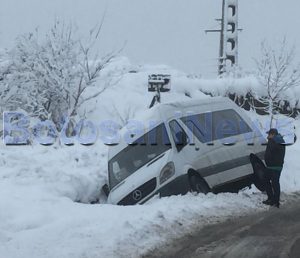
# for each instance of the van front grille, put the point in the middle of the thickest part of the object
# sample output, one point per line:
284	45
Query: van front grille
139	193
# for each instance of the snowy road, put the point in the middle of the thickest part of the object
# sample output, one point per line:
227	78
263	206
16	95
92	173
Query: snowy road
273	233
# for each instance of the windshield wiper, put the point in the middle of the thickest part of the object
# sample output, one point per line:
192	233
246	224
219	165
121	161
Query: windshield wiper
155	159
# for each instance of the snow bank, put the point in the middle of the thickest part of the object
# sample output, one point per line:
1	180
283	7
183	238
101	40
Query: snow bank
129	92
39	217
290	179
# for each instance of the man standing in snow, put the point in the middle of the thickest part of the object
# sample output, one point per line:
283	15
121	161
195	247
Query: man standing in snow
274	158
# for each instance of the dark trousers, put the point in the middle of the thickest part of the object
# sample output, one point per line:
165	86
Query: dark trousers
272	184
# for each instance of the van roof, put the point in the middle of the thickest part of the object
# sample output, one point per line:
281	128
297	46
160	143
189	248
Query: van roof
197	102
165	111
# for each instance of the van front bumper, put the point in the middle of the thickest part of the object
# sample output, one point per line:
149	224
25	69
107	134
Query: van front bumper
178	186
140	195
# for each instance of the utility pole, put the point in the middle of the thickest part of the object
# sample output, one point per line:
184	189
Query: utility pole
228	49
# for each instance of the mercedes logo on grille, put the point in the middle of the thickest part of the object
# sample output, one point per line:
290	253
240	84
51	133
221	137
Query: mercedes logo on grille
137	195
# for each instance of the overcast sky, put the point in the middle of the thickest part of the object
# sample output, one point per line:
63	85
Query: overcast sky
159	31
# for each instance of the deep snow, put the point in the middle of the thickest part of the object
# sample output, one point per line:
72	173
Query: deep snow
45	191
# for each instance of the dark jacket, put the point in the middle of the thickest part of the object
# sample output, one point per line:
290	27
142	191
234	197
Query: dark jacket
275	152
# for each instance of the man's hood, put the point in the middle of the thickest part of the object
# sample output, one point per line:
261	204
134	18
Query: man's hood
278	138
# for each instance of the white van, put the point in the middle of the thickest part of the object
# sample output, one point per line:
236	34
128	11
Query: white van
197	145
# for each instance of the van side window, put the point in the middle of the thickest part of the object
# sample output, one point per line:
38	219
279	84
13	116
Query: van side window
216	125
201	126
228	123
179	135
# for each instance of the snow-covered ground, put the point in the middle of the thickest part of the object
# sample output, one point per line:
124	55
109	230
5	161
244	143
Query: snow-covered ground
45	192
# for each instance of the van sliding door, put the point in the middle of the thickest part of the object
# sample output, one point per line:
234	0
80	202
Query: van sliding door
223	156
228	132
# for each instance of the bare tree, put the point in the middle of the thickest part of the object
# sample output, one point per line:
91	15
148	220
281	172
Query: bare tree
49	78
91	68
278	74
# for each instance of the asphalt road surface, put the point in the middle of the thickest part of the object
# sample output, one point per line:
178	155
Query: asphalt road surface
273	233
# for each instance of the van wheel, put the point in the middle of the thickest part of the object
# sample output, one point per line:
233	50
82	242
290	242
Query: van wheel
197	184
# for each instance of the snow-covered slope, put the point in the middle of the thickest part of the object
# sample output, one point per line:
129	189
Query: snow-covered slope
45	192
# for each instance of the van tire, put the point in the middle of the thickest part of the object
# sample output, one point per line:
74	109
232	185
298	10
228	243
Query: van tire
198	184
259	171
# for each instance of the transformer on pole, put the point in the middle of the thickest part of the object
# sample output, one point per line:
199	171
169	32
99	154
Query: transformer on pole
228	51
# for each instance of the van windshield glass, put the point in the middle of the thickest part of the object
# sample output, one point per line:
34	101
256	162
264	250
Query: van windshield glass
136	155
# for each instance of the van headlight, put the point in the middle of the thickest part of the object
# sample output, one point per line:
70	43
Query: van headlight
167	172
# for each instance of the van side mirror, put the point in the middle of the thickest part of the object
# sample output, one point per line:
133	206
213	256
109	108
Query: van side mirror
105	189
181	140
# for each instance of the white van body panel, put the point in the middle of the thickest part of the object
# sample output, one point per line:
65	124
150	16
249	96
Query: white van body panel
228	175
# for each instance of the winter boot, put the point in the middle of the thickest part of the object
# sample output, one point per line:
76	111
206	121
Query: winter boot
268	202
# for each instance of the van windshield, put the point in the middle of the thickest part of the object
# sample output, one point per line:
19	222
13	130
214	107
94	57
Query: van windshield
138	154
